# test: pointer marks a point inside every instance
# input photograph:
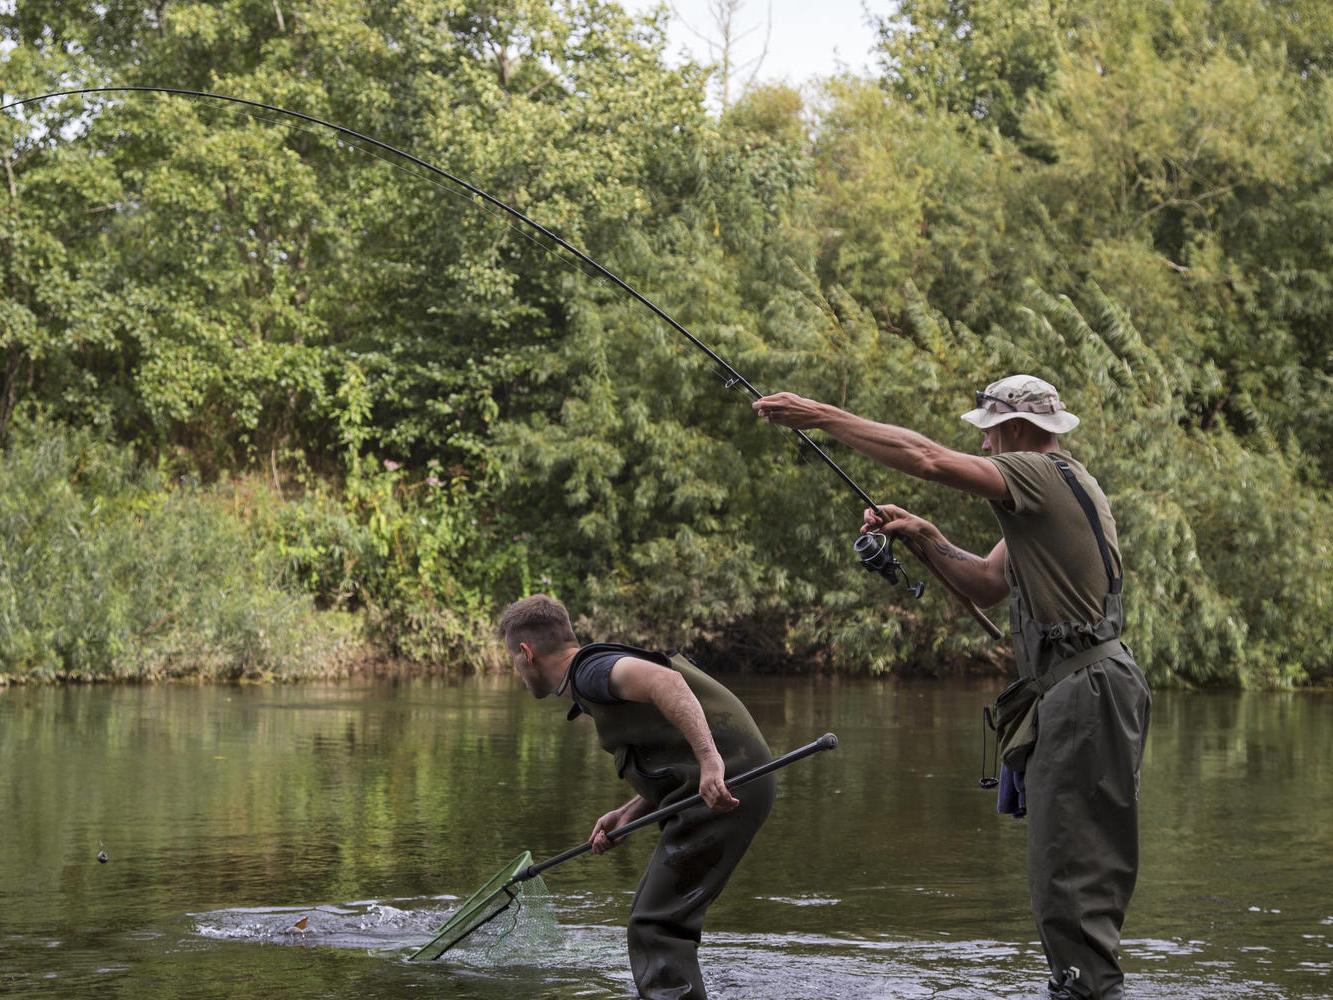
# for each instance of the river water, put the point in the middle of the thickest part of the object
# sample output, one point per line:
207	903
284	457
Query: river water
294	841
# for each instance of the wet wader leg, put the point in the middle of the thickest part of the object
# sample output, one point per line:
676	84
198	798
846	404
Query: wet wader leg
1083	852
695	856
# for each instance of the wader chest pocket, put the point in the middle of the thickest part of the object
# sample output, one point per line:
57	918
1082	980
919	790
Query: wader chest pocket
627	760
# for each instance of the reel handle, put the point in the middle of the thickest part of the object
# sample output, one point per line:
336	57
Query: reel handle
874	549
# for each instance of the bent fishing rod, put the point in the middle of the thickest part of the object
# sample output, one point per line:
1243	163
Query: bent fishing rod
875	549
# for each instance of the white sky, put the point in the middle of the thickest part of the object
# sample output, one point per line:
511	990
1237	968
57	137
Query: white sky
809	37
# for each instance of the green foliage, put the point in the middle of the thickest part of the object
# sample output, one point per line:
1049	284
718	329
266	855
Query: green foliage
110	572
1129	199
413	554
975	60
1223	545
1176	155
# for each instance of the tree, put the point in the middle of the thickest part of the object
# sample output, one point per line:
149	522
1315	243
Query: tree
724	37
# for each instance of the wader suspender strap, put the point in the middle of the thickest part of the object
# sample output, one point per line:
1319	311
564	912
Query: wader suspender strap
1085	501
1102	650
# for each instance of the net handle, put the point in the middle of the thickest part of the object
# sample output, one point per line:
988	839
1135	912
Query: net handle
826	742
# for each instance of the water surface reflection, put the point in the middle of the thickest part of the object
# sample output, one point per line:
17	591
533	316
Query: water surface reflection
231	813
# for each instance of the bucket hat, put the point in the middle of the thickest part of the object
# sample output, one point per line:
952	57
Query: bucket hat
1021	397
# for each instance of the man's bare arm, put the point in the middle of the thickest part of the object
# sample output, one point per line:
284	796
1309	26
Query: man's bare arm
633	679
630	811
980	580
897	447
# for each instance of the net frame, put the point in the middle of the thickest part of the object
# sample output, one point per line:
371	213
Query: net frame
483	906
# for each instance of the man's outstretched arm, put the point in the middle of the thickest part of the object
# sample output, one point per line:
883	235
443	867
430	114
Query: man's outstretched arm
897	447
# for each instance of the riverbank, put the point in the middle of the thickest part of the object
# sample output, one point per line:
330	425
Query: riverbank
114	571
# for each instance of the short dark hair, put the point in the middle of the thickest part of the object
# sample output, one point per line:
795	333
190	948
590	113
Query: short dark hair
539	620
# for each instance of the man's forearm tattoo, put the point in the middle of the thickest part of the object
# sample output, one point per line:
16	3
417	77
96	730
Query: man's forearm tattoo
955	553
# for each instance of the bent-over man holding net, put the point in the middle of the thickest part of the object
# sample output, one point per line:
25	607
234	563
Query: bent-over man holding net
674	730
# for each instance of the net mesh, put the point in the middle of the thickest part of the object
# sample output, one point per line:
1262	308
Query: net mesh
522	934
482	917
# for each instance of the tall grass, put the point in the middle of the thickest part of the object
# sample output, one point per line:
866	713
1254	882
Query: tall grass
108	570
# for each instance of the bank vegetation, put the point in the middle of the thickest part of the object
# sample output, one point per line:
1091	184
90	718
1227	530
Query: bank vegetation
273	406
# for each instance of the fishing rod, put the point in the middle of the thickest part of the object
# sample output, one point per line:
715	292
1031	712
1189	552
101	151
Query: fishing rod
874	549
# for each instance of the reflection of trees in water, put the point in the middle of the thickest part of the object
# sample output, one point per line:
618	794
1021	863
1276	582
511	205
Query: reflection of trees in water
217	798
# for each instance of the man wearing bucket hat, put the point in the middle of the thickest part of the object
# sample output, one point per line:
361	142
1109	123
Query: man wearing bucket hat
1059	563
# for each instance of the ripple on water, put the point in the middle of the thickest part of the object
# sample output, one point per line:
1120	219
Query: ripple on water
770	966
588	959
365	924
1156	949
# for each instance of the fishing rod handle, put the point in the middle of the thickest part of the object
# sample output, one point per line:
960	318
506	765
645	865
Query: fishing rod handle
826	742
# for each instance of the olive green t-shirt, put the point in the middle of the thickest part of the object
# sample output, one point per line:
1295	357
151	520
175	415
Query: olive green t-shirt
1053	555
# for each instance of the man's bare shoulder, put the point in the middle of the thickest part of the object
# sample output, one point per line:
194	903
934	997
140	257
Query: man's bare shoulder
634	678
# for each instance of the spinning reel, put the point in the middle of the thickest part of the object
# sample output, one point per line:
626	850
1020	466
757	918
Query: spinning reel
875	550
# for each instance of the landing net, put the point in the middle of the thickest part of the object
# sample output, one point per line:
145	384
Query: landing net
519	913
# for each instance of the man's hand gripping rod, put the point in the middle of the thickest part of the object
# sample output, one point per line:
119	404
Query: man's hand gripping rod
874	549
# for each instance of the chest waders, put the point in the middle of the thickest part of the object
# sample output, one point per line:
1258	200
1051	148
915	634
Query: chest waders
1087	721
698	849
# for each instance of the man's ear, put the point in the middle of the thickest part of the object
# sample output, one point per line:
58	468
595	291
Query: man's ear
526	649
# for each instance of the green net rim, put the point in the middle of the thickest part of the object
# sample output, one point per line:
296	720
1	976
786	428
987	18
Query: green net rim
473	912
